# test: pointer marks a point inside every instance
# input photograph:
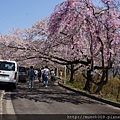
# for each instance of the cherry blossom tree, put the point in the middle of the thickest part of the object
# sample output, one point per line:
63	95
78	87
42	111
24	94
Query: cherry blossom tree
27	46
91	32
79	35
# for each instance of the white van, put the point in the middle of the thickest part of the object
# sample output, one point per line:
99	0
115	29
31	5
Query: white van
9	73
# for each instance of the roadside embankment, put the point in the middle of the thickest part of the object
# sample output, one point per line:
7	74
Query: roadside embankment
93	96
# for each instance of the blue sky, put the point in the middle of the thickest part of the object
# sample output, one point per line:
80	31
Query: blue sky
24	13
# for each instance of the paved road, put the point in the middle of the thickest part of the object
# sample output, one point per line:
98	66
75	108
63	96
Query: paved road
52	100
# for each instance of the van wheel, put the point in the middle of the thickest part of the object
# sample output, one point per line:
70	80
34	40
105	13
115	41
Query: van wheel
14	86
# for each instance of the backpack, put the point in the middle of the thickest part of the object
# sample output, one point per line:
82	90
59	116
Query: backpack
45	73
32	73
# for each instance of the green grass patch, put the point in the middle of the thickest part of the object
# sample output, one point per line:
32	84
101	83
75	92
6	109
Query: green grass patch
109	91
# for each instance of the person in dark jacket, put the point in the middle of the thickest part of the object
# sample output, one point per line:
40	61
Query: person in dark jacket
31	75
39	75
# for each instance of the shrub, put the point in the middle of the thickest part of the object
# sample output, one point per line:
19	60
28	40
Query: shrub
110	90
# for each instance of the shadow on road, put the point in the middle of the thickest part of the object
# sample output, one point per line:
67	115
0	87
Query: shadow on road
5	87
52	93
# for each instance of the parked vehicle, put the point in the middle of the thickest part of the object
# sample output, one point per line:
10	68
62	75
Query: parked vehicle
9	73
22	74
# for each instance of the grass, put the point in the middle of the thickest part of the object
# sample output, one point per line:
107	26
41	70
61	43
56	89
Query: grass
109	91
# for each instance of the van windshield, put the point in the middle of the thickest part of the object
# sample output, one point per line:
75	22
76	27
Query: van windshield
7	66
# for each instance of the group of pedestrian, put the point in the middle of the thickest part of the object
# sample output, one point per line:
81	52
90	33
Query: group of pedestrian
43	75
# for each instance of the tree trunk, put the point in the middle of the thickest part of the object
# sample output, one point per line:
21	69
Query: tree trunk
100	86
72	77
88	84
102	82
72	74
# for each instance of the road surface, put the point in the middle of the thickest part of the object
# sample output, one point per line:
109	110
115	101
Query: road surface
53	100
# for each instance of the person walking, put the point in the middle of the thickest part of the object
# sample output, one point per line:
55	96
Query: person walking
61	74
46	74
39	75
31	77
42	75
52	73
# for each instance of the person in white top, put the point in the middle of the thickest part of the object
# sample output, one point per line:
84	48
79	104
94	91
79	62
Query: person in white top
46	73
52	75
42	76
